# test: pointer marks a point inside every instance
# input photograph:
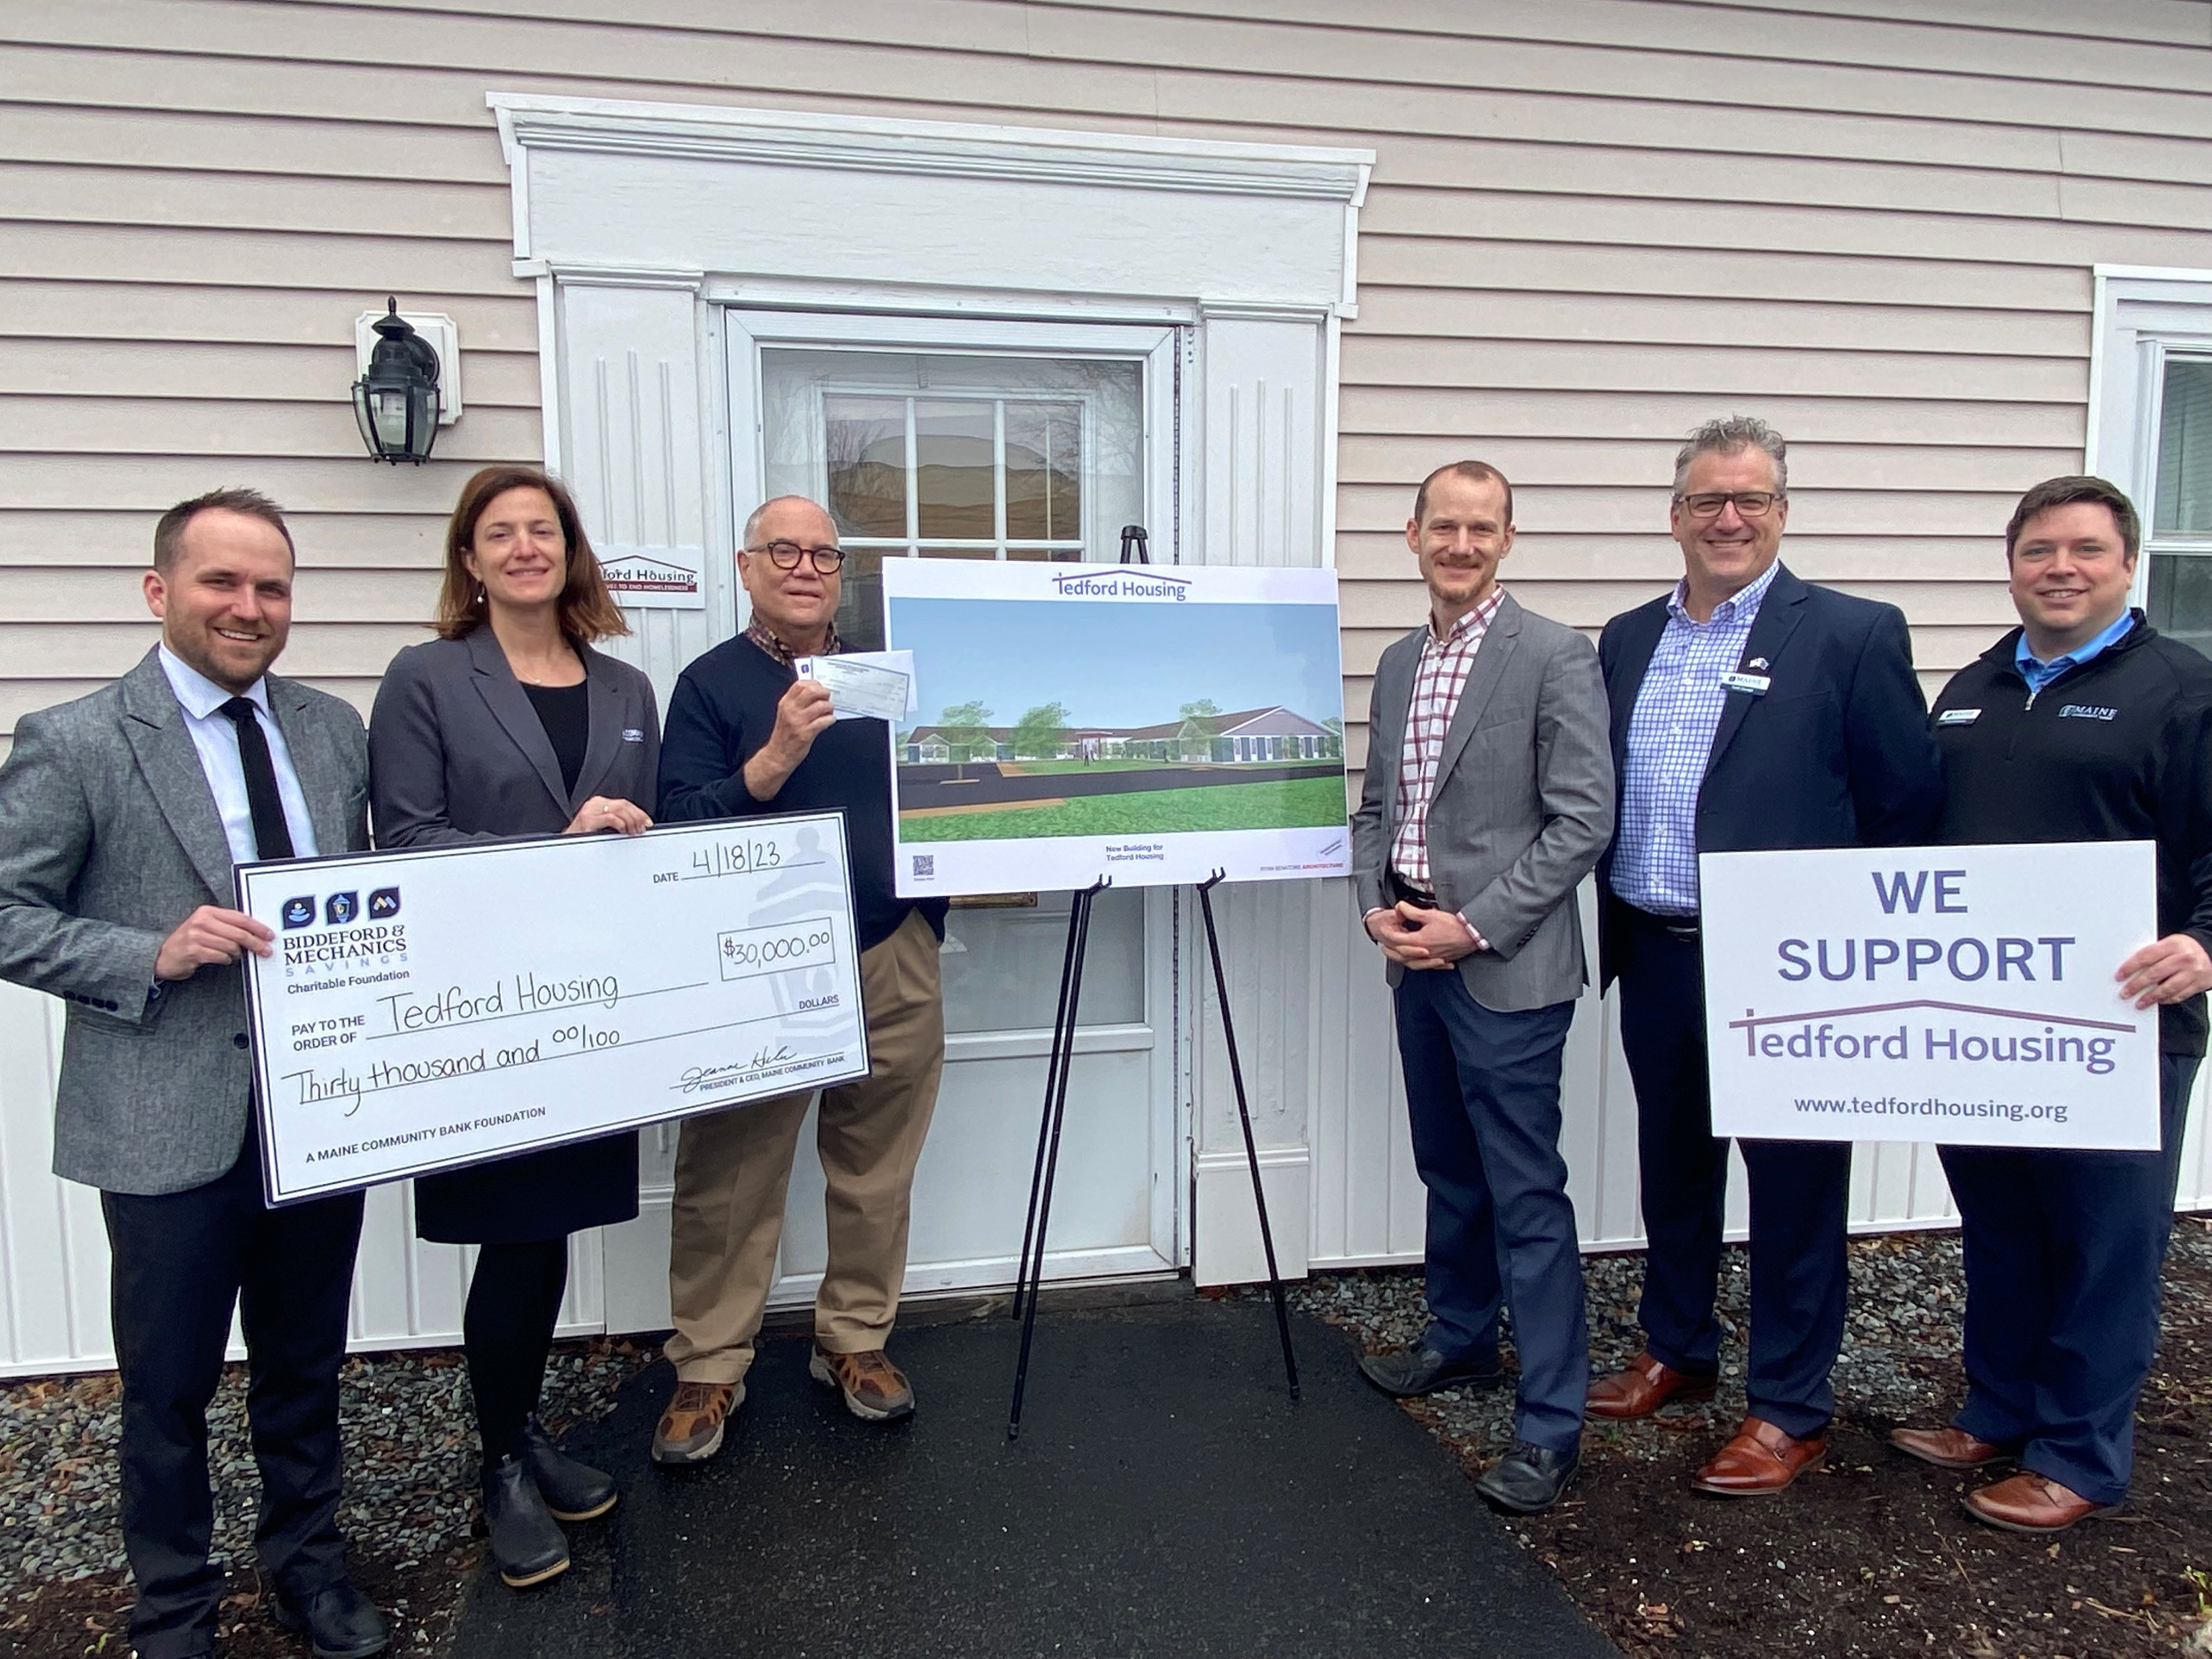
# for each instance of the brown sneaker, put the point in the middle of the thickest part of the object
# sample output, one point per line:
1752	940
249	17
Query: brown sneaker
873	1387
690	1430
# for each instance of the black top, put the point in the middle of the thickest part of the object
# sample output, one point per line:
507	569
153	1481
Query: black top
2118	749
564	713
722	711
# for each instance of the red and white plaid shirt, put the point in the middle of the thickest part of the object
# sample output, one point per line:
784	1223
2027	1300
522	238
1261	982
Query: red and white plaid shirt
1437	684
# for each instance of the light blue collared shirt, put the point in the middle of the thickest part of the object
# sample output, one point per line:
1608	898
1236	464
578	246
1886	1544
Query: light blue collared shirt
1670	734
217	740
2039	674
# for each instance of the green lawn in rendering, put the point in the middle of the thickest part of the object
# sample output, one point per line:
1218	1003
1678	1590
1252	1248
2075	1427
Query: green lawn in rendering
1302	803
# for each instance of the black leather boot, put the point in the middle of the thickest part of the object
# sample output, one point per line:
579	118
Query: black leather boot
572	1491
526	1545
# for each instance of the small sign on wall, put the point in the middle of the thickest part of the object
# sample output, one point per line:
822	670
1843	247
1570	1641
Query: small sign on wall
654	578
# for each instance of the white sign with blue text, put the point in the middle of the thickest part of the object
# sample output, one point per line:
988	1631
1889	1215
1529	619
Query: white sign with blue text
1960	994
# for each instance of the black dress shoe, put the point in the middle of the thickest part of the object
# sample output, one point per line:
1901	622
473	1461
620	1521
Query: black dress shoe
1423	1371
338	1620
526	1545
572	1491
1529	1478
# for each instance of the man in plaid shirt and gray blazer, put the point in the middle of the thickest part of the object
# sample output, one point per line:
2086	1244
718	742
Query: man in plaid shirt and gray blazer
1488	795
1751	711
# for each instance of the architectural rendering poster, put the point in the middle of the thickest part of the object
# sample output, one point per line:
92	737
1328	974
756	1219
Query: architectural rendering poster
1152	724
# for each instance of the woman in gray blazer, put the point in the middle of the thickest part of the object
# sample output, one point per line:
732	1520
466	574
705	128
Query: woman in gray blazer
509	723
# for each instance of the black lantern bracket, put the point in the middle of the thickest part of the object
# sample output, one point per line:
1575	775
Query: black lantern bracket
408	388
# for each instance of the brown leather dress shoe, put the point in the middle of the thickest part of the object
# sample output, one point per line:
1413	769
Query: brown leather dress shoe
1760	1462
1642	1389
2029	1502
1948	1448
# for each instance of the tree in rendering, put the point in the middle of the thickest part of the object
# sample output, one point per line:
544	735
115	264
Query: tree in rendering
1332	745
1041	733
1201	724
966	727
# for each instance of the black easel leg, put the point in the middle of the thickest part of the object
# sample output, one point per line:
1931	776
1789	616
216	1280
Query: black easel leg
1058	1115
1061	1043
1244	1116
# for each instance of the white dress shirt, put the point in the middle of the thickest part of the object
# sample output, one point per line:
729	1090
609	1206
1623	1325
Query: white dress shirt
217	740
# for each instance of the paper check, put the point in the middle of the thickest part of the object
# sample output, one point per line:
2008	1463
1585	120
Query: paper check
864	685
448	1005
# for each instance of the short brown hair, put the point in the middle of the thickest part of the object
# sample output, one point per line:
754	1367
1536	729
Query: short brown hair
2065	491
169	532
588	610
1476	471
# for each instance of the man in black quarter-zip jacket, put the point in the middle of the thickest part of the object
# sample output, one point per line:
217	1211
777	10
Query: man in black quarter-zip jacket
2082	724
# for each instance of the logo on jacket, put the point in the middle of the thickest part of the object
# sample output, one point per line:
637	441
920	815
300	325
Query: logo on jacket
2088	711
300	912
341	908
383	903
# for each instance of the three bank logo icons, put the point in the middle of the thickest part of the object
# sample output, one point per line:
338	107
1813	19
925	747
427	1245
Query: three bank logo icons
339	909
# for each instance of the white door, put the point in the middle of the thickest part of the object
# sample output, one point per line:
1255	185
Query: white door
935	438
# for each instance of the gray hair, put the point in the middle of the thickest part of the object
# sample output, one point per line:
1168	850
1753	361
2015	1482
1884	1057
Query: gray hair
1730	435
753	519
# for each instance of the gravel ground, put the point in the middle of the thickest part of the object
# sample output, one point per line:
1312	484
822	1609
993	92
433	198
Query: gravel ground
1869	1556
410	1470
1907	1299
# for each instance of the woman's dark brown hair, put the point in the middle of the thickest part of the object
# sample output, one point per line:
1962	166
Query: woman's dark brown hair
587	612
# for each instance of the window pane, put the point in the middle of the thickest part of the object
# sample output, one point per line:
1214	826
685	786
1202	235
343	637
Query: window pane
1046	555
2184	450
1044	471
954	481
2181	598
959	552
865	440
860	605
1001	968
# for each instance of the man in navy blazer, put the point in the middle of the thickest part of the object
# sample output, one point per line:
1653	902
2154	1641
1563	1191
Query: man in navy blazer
1750	711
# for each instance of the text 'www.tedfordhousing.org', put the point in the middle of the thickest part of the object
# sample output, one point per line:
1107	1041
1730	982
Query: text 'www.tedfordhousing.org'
1932	1106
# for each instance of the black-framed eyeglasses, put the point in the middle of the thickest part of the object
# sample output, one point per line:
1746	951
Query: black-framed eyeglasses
785	556
1750	504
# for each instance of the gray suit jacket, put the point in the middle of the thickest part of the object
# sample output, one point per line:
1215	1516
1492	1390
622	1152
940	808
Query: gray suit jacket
1523	808
460	755
108	838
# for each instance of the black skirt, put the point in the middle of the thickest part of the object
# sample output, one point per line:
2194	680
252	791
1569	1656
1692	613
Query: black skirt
545	1194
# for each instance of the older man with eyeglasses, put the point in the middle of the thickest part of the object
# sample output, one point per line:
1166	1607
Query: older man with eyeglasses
745	737
1751	711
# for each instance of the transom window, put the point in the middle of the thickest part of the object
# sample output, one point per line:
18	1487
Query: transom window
931	454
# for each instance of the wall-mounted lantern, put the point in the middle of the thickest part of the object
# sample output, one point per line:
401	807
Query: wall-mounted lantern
406	392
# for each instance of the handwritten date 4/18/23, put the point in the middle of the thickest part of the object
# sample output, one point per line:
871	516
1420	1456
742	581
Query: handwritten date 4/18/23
742	855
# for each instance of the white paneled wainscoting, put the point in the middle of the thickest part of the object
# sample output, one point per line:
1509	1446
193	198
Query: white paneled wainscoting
1313	1027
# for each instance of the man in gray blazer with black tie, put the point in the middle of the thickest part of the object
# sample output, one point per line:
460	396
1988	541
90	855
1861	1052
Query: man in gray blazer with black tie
121	815
1488	795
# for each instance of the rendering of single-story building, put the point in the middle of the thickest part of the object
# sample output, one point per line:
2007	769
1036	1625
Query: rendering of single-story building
1248	734
994	279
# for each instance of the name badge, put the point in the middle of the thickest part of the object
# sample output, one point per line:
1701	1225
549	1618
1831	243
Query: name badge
1755	684
1958	716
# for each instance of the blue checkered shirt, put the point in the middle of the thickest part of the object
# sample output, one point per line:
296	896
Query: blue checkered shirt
1669	742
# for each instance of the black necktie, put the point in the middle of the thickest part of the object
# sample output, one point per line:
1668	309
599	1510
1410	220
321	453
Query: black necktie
272	836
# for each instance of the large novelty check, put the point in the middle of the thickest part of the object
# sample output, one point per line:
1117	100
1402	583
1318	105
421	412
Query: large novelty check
452	1004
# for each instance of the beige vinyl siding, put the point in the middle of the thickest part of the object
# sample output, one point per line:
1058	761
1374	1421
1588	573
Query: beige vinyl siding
1592	224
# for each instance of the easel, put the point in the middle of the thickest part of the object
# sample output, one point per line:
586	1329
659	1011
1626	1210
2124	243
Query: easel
1029	1275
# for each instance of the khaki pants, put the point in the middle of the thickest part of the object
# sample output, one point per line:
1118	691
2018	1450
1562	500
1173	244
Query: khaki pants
733	1169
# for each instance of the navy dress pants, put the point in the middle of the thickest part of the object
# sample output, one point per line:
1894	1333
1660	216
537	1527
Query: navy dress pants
182	1261
1798	1194
1482	1090
2063	1255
